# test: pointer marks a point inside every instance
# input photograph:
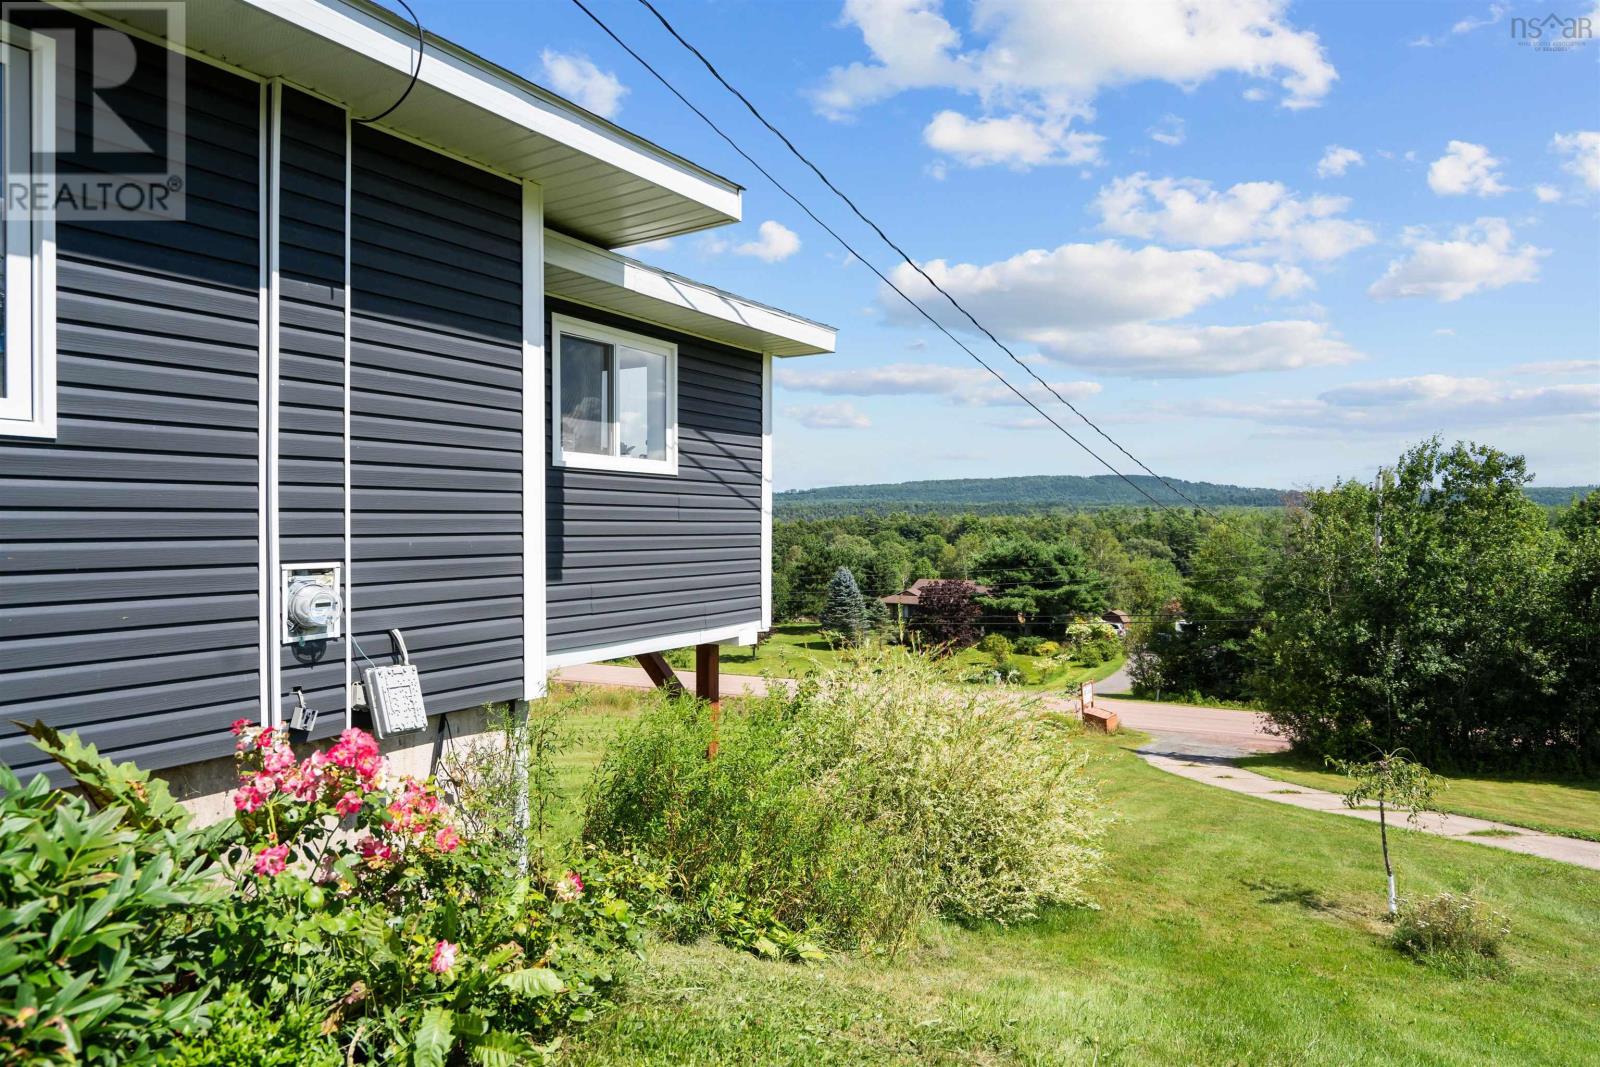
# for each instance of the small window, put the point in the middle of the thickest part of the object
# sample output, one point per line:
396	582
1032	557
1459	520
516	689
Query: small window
27	299
614	395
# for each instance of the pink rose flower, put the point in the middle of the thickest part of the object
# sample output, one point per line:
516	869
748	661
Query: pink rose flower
570	887
248	799
271	861
447	839
374	851
348	804
444	957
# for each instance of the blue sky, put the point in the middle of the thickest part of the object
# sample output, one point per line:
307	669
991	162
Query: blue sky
1261	243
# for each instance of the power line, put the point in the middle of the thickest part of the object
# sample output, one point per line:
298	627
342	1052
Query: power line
906	256
606	29
868	263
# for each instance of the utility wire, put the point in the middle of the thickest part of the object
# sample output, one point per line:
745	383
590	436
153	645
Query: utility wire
609	32
847	246
840	193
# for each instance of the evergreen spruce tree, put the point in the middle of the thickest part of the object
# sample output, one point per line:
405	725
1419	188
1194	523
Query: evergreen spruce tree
846	612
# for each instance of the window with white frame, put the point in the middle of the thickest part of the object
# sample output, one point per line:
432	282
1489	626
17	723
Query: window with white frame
614	396
27	301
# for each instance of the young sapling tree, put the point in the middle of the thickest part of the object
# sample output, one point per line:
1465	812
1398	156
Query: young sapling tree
1394	782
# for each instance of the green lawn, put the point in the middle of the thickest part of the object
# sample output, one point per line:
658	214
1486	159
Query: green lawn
797	649
1231	930
1566	806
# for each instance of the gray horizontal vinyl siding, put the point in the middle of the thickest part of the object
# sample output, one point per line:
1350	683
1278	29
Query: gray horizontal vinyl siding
311	378
436	422
637	556
128	545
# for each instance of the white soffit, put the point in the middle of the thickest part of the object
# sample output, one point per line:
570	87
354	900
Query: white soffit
592	276
599	180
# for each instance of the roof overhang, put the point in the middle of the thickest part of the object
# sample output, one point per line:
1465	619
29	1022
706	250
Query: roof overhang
597	278
599	180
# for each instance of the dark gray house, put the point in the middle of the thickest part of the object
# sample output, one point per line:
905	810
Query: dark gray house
332	366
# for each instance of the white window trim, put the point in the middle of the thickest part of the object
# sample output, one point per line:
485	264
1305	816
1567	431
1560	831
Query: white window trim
563	326
28	408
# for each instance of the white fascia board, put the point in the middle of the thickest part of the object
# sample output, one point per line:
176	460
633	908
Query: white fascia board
449	69
804	336
743	633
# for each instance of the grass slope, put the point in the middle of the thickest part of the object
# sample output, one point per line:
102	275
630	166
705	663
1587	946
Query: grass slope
797	649
1231	930
1569	807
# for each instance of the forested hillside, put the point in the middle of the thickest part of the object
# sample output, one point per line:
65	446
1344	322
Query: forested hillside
1015	496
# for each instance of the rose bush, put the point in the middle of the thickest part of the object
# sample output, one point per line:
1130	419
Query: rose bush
340	896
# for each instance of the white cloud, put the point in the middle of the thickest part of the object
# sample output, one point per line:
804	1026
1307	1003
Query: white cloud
1084	285
1420	404
1263	218
840	416
1035	66
1256	94
1547	194
961	386
1097	305
1465	168
1465	25
1478	257
1444	331
774	242
1148	350
1169	131
1583	149
1559	367
1336	160
1015	141
577	78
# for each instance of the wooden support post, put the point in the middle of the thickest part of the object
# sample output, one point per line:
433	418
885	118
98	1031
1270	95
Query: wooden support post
660	672
708	687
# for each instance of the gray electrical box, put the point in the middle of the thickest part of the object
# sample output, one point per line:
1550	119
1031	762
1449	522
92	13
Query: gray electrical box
394	694
313	602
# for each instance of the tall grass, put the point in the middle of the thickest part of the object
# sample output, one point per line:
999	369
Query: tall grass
875	796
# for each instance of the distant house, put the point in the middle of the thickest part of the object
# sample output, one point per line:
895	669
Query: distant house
1119	621
906	602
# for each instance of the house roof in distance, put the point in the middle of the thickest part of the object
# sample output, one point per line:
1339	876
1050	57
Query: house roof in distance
912	594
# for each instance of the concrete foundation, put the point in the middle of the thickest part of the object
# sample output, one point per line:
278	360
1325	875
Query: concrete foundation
206	788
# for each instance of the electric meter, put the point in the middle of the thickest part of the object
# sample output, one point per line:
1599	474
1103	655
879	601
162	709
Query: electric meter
312	605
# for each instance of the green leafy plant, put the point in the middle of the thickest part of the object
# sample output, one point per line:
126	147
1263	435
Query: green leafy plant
1392	781
1454	930
102	918
246	1034
850	810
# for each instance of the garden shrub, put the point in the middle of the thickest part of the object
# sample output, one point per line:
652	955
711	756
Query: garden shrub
871	798
1047	648
342	905
102	923
246	1034
1027	645
1455	931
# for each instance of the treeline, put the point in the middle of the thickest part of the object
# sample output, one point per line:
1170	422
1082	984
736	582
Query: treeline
1040	493
1133	559
1442	610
